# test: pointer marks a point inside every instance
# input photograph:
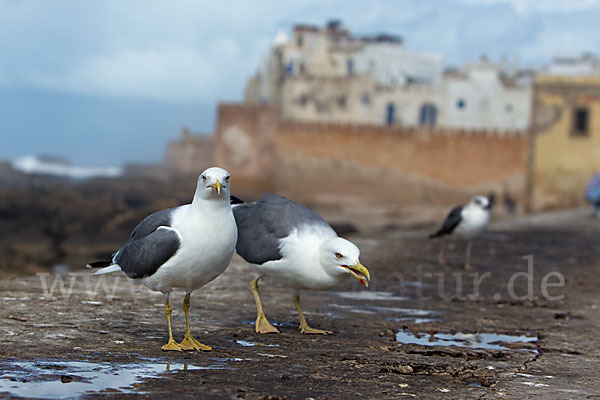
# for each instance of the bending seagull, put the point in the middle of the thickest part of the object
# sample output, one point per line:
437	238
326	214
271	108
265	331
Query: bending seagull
182	247
297	248
464	222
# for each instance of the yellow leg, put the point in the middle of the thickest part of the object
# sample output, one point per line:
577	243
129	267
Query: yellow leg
188	342
304	328
171	345
262	324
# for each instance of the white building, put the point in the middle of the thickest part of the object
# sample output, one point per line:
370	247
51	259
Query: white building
392	64
480	97
328	75
574	66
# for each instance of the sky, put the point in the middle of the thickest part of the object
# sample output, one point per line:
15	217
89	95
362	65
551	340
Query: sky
106	82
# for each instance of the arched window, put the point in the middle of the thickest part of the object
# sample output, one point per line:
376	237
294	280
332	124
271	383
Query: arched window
427	114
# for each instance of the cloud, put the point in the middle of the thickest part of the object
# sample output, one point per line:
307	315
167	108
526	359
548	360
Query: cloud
204	50
171	73
528	7
128	49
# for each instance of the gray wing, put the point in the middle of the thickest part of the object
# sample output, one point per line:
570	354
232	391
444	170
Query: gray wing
150	245
451	222
263	223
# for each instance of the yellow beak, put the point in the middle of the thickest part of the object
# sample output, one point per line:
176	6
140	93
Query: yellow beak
216	186
361	273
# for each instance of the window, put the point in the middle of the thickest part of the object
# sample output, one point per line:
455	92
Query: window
427	114
341	101
580	122
391	114
350	66
303	100
299	40
508	108
289	68
366	99
461	104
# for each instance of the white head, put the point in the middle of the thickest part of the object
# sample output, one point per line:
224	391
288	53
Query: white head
213	183
481	202
340	257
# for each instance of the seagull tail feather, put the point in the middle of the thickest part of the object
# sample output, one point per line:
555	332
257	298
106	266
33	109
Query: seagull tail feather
435	235
105	267
108	270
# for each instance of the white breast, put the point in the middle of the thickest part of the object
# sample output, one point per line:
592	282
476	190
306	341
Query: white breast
300	267
474	220
208	238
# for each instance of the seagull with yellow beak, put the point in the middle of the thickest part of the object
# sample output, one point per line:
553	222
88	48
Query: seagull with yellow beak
183	247
294	247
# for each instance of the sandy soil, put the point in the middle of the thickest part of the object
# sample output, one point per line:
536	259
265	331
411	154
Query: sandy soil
556	353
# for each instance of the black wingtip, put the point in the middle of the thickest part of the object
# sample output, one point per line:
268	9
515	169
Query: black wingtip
99	264
235	200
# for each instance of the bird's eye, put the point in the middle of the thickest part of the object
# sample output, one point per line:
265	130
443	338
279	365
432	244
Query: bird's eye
204	178
338	255
227	178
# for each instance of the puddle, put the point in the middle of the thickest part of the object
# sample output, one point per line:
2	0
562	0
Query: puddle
368	309
414	320
92	303
405	311
371	295
272	355
489	341
246	343
399	314
57	379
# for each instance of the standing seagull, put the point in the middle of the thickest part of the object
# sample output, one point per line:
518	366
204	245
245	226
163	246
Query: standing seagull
464	222
297	248
182	247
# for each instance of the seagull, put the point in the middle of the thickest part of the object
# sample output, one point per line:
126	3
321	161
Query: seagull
182	247
464	222
294	246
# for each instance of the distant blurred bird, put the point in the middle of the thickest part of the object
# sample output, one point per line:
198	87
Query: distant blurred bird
182	247
592	193
464	222
295	247
510	205
491	199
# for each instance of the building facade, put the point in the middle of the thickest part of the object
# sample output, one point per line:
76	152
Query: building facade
328	75
565	150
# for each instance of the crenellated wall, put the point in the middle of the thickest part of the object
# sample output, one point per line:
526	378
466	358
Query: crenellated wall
449	157
323	161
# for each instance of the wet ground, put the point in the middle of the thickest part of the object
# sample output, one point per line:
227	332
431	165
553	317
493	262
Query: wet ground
419	331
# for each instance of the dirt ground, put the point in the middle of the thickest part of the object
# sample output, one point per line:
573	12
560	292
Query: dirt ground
552	351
